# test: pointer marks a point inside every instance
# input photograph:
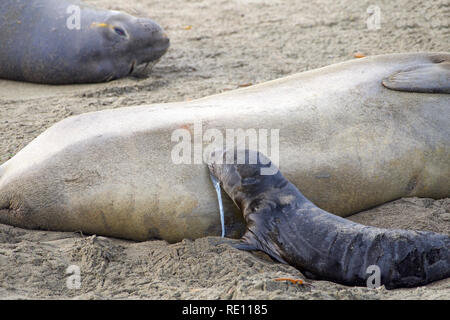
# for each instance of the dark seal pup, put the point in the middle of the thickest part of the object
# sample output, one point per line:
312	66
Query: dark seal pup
63	42
290	228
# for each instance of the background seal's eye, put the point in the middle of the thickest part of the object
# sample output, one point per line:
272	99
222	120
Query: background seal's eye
120	31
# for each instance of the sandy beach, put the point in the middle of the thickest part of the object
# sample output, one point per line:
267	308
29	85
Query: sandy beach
216	46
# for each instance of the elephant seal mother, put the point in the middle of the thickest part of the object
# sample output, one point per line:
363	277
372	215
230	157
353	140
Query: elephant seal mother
347	140
62	42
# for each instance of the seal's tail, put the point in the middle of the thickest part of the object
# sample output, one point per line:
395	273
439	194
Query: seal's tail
423	259
4	201
6	217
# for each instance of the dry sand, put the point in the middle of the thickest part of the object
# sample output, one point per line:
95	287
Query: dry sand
217	45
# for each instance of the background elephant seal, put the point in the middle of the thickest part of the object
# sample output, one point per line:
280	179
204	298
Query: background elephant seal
62	42
286	225
349	141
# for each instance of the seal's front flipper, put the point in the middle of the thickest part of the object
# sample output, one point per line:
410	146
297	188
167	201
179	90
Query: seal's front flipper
250	242
245	246
251	247
426	78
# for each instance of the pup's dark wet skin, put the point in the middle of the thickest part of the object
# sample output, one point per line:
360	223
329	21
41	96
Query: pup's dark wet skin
291	229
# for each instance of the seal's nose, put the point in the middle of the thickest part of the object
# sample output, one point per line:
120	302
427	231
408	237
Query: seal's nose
156	34
164	40
152	37
160	43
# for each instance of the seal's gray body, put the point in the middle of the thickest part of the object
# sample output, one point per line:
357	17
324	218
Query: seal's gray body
282	222
42	42
345	139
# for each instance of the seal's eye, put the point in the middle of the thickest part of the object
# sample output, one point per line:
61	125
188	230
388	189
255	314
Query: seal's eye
120	31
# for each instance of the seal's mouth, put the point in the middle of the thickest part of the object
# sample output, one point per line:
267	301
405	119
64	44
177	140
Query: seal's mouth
149	53
142	69
215	162
133	64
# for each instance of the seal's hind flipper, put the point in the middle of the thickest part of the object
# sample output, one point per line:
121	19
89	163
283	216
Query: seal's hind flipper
426	78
